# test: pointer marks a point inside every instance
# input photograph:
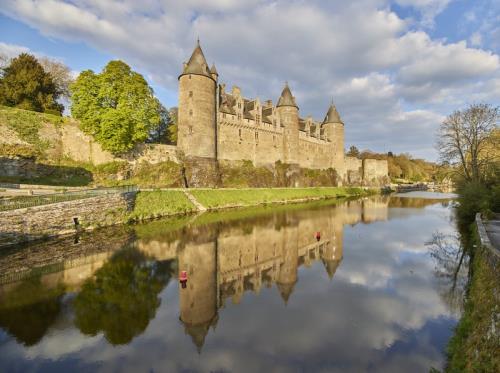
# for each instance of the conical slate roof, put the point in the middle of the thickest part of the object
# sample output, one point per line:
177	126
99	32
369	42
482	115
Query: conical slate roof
285	290
332	116
213	70
197	64
286	98
331	267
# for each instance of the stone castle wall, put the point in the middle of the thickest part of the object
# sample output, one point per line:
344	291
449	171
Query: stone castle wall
83	148
366	171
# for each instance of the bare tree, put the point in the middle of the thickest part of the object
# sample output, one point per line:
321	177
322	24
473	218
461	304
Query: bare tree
60	73
467	139
451	268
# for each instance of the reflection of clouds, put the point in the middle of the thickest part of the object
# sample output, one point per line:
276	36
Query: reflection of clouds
61	342
380	310
374	253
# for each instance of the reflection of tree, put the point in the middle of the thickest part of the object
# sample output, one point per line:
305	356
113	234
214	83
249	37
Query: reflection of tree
122	297
451	267
408	202
29	310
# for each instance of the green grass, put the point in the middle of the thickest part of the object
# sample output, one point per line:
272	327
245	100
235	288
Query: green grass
216	198
27	124
474	347
158	203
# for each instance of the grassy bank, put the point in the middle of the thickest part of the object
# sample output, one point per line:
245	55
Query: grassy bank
149	205
221	198
475	345
152	204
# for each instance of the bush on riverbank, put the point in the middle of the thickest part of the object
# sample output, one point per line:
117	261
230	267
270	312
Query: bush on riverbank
158	203
214	198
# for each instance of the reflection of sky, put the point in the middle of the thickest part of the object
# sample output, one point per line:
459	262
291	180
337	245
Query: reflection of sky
380	312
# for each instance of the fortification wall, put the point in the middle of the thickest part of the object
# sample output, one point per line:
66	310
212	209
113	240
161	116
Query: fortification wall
37	222
354	170
261	144
314	153
83	148
375	170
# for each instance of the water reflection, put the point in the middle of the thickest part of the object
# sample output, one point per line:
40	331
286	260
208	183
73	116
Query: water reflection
121	285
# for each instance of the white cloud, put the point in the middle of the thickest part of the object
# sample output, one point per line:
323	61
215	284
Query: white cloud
12	50
386	79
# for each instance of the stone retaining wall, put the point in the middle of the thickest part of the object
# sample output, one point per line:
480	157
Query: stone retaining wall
493	254
55	219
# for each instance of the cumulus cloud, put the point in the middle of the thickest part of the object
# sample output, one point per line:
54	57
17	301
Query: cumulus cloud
387	78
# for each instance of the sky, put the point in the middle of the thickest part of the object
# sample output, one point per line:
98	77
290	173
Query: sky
394	68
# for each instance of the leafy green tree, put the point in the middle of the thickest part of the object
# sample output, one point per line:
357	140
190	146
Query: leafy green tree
28	311
172	127
26	85
117	107
160	134
353	152
122	297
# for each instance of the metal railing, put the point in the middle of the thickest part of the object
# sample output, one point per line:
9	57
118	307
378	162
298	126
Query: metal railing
19	202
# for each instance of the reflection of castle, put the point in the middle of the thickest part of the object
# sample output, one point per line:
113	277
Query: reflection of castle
223	260
239	259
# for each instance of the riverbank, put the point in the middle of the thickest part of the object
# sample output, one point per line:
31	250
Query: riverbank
70	216
167	202
476	342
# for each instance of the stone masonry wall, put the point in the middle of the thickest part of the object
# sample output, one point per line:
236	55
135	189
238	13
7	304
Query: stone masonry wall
83	148
375	171
38	222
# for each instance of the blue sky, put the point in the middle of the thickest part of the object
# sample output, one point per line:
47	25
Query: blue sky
395	69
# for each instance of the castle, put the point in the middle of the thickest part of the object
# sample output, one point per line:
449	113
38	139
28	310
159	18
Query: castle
218	130
225	126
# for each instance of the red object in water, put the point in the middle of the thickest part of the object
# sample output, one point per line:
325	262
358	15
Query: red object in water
183	276
318	236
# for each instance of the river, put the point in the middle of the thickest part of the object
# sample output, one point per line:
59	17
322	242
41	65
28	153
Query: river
376	291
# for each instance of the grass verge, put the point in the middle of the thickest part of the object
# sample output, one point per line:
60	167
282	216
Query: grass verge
475	345
159	203
220	198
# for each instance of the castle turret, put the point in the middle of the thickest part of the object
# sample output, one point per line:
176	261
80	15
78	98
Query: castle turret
197	108
288	112
198	301
287	277
334	131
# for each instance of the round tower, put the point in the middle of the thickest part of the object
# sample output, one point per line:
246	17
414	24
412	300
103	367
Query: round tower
334	130
197	108
288	112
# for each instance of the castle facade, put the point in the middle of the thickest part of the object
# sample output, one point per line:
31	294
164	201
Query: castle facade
219	125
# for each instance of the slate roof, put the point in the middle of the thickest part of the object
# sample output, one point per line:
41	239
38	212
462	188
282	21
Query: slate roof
332	116
197	64
286	98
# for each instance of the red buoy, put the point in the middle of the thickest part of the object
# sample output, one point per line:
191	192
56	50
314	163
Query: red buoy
318	236
183	278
